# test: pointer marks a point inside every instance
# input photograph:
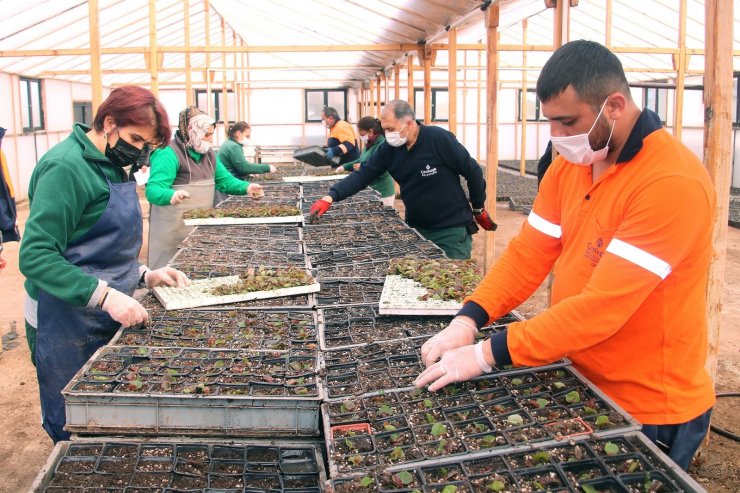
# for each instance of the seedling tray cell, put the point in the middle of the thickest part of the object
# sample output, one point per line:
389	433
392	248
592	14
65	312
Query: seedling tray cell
199	294
187	465
235	259
349	292
246	233
197	392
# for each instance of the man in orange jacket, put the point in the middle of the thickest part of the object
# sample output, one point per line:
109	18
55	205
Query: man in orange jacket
623	218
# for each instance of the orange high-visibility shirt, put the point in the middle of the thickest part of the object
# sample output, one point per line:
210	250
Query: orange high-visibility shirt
630	256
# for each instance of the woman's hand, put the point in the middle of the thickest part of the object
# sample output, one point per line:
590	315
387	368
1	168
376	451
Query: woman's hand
179	196
255	191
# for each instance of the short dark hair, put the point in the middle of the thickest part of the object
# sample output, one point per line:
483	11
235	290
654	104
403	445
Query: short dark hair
238	127
591	69
135	106
330	112
370	123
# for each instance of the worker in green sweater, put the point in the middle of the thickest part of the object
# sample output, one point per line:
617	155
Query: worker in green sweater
185	176
231	155
82	241
372	135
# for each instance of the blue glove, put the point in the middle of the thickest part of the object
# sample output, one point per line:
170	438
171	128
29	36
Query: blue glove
329	153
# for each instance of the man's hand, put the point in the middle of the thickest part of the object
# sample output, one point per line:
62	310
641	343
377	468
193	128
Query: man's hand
273	168
179	196
166	276
319	208
255	191
460	332
484	220
124	309
457	365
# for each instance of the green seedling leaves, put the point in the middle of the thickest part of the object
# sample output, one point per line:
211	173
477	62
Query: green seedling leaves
587	488
573	397
515	420
430	418
356	460
496	486
542	403
438	429
367	481
541	457
428	403
397	454
450	488
602	421
404	477
611	448
385	410
558	385
516	382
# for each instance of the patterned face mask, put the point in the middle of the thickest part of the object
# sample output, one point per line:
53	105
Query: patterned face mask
198	127
122	153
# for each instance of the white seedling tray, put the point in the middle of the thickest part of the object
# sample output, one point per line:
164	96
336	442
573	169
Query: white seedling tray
226	221
308	178
400	296
199	293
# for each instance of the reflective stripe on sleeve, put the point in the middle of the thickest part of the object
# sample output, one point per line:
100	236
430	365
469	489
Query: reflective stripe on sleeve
639	257
544	226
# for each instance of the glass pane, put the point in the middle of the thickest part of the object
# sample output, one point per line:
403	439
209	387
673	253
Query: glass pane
662	96
441	105
79	112
200	101
650	99
231	106
419	103
25	113
36	104
314	105
531	106
737	100
336	101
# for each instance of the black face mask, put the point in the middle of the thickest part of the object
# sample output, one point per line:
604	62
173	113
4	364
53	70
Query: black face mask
122	154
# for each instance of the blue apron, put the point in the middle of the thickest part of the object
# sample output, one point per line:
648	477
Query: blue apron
69	335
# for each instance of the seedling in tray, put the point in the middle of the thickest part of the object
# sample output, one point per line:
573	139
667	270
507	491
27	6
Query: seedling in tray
262	279
444	279
260	211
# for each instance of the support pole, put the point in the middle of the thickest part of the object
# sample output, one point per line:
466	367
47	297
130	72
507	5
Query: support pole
96	77
491	22
680	65
410	82
397	80
378	85
523	157
717	153
427	50
153	56
452	76
224	90
189	96
208	74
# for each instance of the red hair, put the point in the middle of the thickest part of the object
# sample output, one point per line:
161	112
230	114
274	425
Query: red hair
135	106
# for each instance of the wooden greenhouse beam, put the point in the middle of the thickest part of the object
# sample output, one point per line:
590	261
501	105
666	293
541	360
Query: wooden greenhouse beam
371	99
224	90
608	26
324	48
452	80
680	71
557	23
718	97
96	76
477	106
523	111
235	77
189	96
410	79
153	59
397	81
427	53
378	100
206	74
491	24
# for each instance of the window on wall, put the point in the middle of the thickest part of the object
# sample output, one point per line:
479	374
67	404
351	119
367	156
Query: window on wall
318	99
533	107
217	104
656	99
736	106
440	104
82	111
32	114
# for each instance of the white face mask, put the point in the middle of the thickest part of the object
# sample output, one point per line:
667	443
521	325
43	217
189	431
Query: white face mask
244	141
577	148
202	147
394	138
363	138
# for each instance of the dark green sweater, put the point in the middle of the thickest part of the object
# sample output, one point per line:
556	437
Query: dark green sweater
231	155
67	196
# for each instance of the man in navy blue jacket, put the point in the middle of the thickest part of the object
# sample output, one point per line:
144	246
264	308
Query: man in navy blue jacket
427	163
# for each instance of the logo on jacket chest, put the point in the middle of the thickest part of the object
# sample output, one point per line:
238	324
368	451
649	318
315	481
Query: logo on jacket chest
594	251
428	171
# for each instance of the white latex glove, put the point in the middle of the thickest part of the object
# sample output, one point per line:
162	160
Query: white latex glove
179	196
339	169
255	190
165	276
460	332
124	309
273	169
456	365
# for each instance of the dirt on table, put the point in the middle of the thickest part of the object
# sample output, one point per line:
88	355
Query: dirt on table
25	447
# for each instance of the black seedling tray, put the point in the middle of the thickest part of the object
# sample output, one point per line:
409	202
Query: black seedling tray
562	467
193	466
349	292
315	156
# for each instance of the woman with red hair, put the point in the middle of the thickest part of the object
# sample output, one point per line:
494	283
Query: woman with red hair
82	240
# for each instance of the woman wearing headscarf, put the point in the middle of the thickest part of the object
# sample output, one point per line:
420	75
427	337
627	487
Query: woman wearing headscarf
82	241
372	134
185	176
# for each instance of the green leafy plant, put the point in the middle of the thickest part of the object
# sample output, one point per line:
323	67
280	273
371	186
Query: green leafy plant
611	448
515	419
573	397
258	211
385	410
367	481
444	279
496	485
397	454
603	421
264	279
405	478
450	488
438	429
356	460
